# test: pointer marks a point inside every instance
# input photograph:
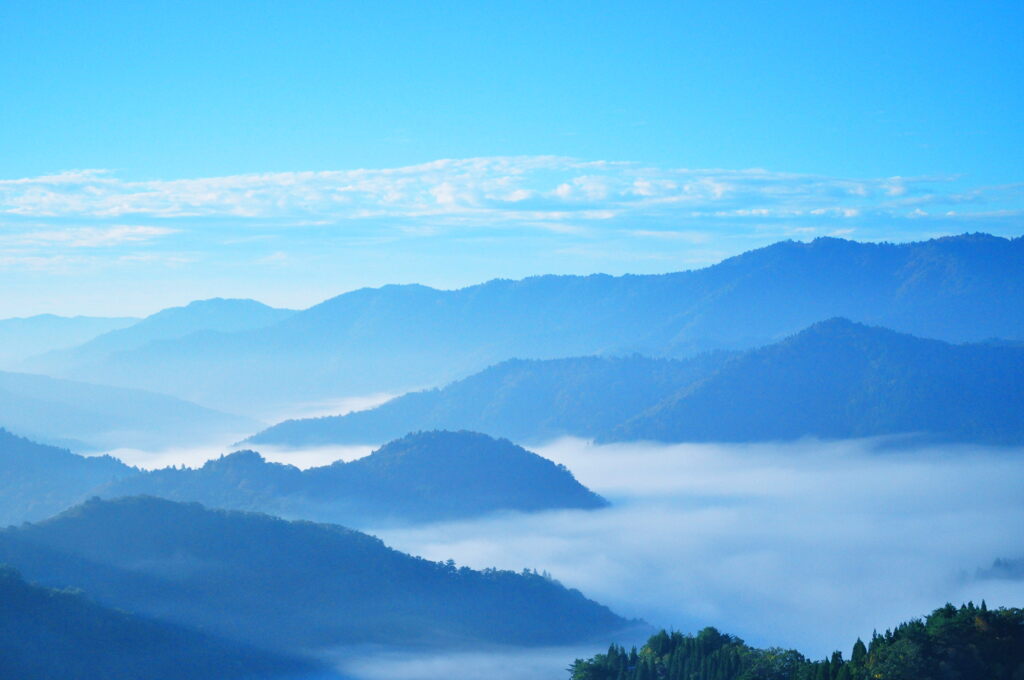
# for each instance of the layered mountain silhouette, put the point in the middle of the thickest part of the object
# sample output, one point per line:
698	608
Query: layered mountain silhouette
958	289
38	481
423	477
213	315
839	379
289	585
835	379
21	338
46	634
524	400
89	417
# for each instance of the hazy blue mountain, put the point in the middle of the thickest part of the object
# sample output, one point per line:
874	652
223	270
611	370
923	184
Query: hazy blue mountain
21	338
423	477
289	585
1003	569
524	400
38	481
47	634
96	417
834	379
427	476
840	379
214	315
963	288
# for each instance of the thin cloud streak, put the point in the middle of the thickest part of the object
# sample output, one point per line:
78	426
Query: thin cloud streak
494	190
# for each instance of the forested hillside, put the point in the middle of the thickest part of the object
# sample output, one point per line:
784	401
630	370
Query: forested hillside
965	643
422	477
292	586
38	481
47	634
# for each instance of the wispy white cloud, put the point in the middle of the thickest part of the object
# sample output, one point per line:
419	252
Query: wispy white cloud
86	237
496	190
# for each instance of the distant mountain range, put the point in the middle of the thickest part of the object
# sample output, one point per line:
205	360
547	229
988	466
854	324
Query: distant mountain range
835	379
423	477
47	634
838	379
21	338
958	289
202	316
289	586
526	400
88	417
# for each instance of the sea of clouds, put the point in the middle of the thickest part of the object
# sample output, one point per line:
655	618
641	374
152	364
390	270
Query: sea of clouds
806	545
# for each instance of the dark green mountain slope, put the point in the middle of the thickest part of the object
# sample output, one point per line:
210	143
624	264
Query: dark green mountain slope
38	481
964	288
289	585
841	379
969	643
524	400
427	476
51	635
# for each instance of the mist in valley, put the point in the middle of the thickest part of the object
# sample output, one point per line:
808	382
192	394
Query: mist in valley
806	545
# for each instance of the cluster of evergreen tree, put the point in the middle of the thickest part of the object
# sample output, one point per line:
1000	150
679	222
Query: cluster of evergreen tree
966	643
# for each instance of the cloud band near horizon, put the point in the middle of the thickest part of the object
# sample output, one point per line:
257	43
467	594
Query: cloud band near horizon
457	221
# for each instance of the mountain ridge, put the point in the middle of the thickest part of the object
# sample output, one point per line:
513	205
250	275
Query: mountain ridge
266	581
881	383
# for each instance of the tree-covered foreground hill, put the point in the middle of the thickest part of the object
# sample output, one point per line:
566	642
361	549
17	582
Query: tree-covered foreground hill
290	586
47	634
969	643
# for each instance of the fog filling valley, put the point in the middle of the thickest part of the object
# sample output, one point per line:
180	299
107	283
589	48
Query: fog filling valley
767	542
806	545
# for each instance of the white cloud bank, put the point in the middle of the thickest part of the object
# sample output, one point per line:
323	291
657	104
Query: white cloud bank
806	545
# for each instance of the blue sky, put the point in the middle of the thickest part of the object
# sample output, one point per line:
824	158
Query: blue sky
152	153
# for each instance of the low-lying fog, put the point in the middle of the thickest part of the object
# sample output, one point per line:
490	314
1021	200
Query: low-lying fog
806	545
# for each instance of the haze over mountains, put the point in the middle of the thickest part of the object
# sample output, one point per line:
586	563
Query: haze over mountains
214	315
836	379
291	586
91	417
958	289
830	339
21	338
423	477
38	481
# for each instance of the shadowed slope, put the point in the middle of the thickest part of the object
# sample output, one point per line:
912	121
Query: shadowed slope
50	635
427	476
289	585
